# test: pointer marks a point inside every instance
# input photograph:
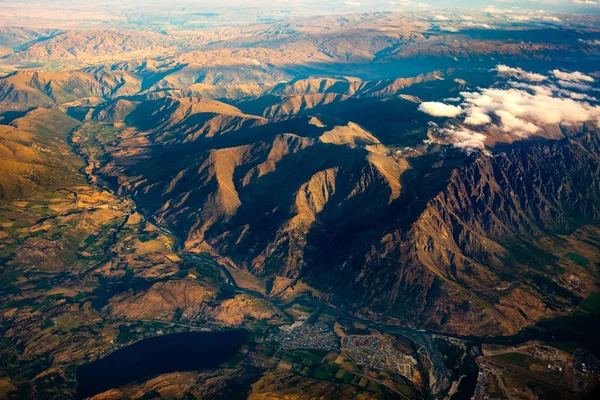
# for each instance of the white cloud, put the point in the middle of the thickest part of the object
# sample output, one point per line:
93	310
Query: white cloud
552	89
575	85
520	73
579	96
494	10
539	89
551	18
590	42
440	109
511	105
477	116
407	3
514	125
465	138
520	110
572	76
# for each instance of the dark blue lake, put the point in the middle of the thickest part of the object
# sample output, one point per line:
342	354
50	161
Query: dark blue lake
176	352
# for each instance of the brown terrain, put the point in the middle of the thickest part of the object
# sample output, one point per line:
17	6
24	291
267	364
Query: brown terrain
156	182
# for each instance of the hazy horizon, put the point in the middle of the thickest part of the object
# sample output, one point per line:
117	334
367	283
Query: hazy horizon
175	14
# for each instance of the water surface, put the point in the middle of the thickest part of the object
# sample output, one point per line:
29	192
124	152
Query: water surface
188	351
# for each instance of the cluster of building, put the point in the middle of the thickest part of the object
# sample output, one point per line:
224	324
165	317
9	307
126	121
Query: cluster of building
483	381
374	353
548	353
585	363
317	336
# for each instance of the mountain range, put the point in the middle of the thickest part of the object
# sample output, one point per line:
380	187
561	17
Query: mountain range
429	183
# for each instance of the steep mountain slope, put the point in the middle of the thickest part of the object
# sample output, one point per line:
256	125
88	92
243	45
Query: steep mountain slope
13	37
326	182
171	121
484	232
27	90
434	241
87	45
226	176
352	86
34	154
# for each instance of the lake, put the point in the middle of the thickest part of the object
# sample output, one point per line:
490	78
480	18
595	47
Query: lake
188	351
